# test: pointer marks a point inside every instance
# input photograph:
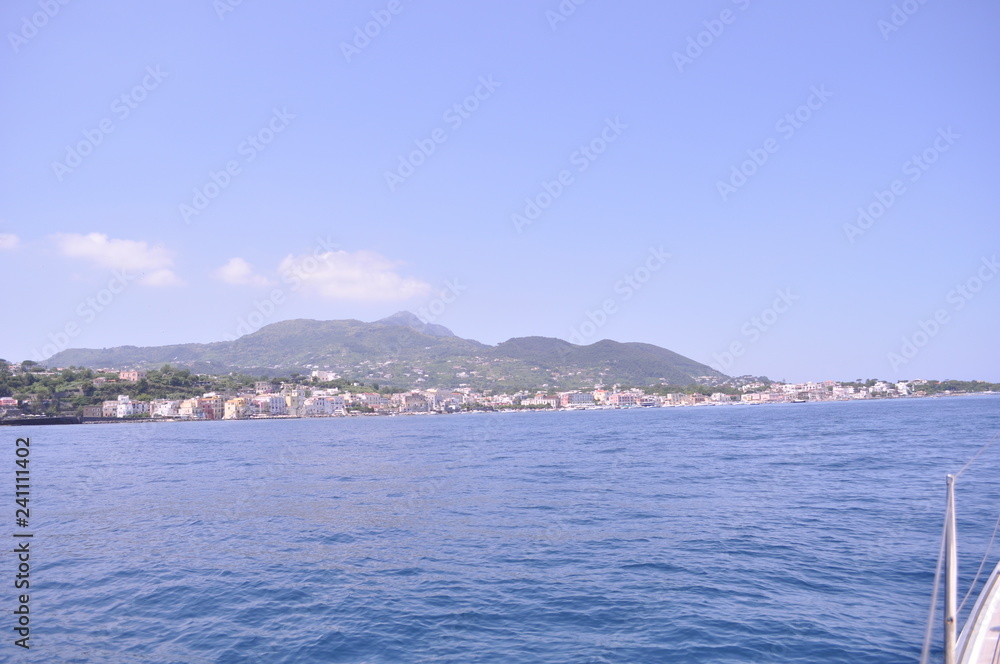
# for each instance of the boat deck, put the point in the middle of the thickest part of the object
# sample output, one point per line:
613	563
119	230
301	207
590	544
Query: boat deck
979	642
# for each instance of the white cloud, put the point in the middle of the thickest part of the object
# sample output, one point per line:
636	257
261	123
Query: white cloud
239	272
152	263
362	275
8	241
161	278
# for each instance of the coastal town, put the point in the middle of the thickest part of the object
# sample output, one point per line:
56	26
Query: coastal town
313	396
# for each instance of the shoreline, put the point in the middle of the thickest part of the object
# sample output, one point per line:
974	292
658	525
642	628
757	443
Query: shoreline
146	420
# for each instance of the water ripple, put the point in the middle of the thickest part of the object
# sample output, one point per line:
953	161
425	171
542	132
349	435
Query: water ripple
770	534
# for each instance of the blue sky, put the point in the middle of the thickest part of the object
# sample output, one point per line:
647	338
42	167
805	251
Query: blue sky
688	176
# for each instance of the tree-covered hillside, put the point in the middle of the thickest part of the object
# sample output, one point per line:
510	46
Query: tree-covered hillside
406	355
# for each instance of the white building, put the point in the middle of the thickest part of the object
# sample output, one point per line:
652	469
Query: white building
164	408
324	406
375	400
324	376
271	404
124	408
541	400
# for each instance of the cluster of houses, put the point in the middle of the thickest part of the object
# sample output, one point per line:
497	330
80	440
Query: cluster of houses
297	400
291	400
829	390
304	400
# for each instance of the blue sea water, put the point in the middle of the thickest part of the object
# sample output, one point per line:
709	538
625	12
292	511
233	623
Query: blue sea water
786	533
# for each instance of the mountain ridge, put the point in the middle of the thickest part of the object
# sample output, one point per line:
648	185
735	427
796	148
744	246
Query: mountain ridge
402	350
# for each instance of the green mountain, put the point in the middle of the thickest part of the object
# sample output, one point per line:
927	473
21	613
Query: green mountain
637	363
404	351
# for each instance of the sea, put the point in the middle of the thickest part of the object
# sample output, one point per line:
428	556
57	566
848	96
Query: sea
736	534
